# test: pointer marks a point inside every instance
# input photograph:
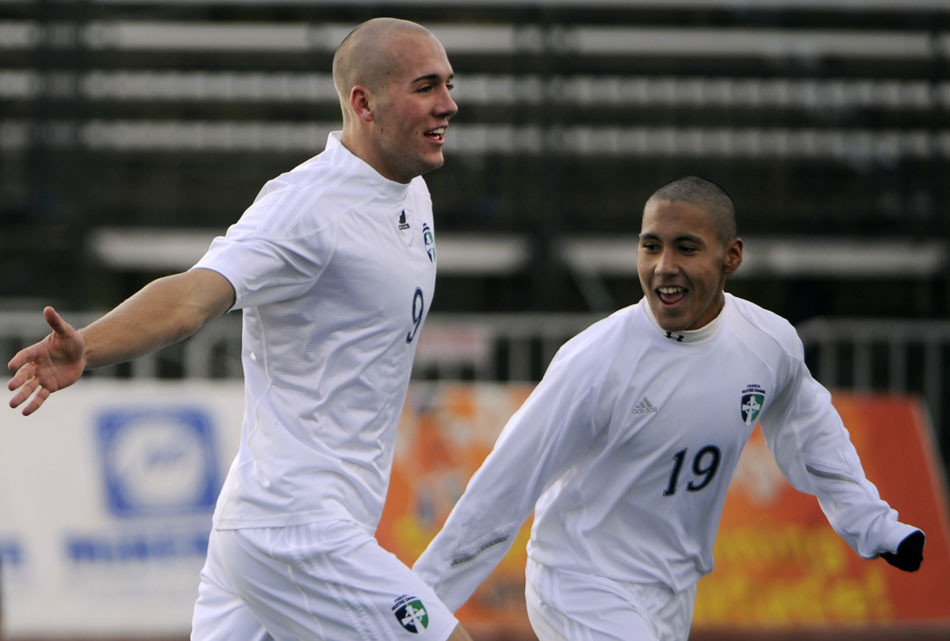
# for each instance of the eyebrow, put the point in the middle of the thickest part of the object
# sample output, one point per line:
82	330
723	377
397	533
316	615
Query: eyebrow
679	239
434	77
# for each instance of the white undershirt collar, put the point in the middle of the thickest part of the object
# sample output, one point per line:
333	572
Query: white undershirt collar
704	333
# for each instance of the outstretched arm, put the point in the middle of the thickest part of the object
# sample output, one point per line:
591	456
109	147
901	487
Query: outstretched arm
163	312
814	450
553	428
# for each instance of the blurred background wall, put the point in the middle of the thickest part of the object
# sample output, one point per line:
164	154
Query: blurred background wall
132	132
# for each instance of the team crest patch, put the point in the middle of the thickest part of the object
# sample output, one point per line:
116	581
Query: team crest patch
410	613
753	398
429	239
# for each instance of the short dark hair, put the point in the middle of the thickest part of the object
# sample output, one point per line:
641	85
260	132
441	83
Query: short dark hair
707	195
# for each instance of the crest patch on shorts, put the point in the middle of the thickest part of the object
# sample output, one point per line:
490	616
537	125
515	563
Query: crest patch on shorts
410	613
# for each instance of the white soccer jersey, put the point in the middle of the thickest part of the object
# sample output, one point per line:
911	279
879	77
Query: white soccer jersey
334	268
628	445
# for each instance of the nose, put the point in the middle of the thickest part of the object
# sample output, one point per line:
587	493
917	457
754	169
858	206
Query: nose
447	107
666	263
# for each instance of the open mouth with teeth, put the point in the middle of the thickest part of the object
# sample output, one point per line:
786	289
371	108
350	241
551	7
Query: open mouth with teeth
437	135
671	295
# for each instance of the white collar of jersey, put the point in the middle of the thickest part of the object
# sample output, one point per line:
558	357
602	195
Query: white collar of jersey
704	333
391	188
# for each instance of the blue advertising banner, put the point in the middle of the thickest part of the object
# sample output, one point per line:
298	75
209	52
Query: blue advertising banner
106	497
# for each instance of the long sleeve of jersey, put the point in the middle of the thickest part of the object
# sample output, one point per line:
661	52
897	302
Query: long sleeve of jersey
814	451
549	431
626	448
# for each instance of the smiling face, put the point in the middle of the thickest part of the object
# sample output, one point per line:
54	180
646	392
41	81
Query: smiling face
394	80
683	261
413	109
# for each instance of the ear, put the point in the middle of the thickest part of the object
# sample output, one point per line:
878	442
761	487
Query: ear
733	257
360	103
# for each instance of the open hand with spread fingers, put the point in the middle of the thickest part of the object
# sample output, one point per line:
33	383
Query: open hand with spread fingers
53	363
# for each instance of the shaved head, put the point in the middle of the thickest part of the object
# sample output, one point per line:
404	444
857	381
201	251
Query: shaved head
394	81
365	56
706	195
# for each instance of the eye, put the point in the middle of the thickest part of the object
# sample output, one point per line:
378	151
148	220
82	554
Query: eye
688	249
649	245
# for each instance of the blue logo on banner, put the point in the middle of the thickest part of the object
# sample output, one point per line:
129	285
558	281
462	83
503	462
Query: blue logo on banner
158	461
11	553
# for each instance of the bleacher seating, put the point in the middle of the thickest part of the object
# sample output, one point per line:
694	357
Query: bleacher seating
829	122
821	118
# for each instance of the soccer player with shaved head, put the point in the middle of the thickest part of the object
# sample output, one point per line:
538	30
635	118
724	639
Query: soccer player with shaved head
333	267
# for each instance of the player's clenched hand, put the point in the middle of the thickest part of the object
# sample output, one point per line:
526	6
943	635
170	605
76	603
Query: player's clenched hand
55	362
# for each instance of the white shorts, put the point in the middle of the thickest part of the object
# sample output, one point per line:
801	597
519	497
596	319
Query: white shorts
315	582
569	606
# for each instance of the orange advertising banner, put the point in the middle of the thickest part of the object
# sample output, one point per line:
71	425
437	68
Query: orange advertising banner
447	430
778	562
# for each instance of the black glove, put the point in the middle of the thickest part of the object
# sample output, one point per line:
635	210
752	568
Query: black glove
909	553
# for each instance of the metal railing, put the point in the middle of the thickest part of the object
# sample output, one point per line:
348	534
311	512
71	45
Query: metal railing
896	356
864	355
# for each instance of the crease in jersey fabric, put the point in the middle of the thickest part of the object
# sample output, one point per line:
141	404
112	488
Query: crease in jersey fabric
833	476
498	537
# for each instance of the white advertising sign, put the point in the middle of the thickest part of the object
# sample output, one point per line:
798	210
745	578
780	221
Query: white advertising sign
106	496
